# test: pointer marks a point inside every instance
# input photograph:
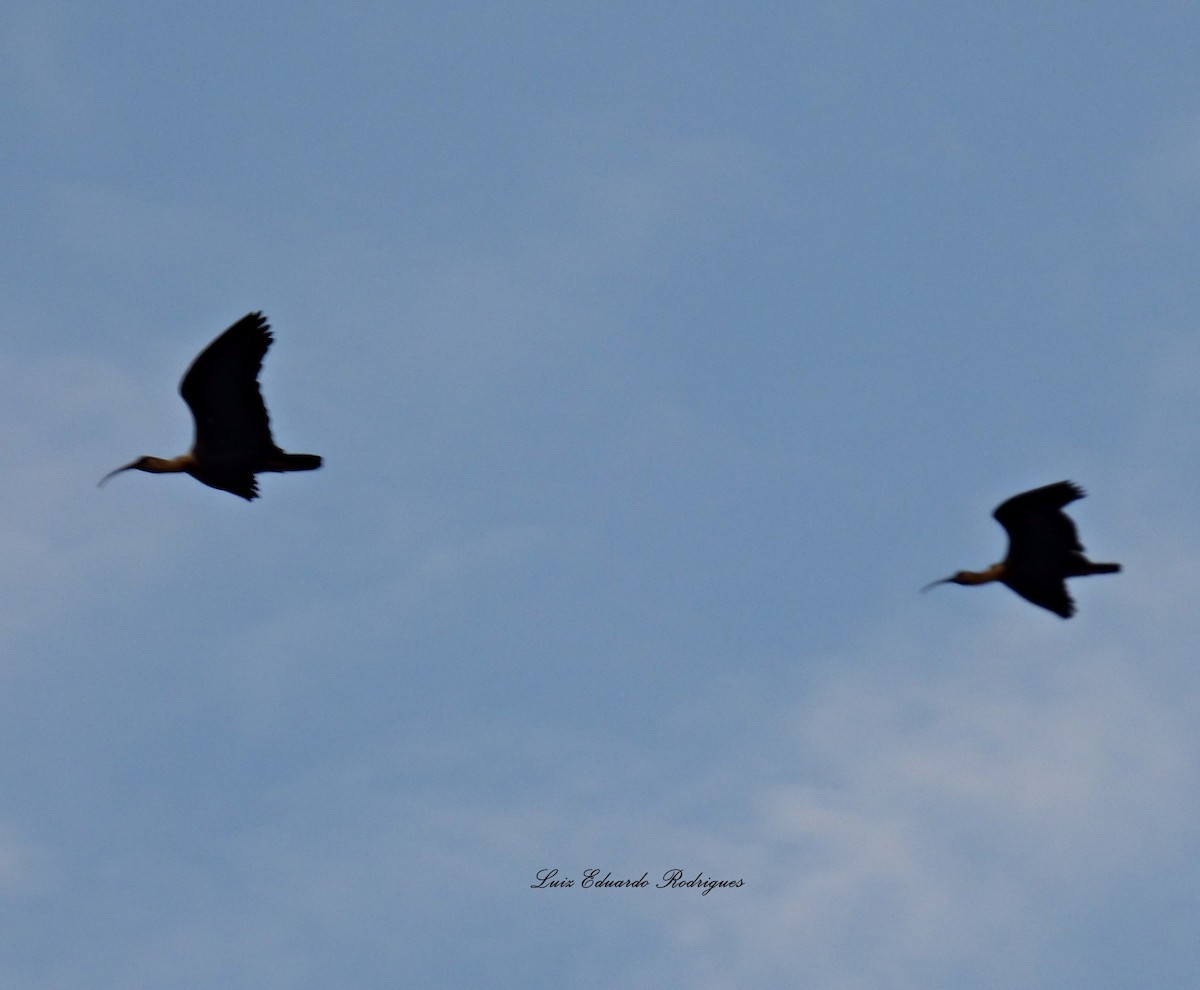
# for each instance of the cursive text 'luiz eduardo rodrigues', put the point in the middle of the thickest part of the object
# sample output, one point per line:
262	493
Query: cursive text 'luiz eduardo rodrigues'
672	878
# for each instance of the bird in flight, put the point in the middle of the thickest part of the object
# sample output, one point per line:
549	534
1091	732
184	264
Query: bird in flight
1043	550
233	432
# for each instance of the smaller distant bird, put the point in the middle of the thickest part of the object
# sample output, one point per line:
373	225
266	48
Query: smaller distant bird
1043	549
233	432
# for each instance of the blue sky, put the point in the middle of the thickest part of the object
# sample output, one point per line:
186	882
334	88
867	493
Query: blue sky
658	356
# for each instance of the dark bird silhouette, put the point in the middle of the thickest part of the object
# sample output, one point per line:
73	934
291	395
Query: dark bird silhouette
1043	549
233	432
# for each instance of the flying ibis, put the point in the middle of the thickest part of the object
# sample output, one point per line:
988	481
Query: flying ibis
233	433
1043	549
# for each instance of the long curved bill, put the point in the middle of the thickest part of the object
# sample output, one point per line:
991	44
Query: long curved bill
100	483
934	584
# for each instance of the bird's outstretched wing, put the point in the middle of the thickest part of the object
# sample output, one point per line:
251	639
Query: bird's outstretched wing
1044	590
1042	543
221	389
1035	518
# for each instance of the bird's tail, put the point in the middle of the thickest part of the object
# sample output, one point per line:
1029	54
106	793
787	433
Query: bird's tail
295	462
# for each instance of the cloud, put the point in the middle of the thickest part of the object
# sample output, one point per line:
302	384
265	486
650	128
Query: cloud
934	821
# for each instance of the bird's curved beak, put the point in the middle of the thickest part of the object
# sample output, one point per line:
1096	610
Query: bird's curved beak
934	584
131	464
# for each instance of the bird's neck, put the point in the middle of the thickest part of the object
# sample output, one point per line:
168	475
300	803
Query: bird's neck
993	573
166	465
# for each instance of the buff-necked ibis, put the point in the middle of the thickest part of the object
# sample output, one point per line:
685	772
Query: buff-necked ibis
233	432
1043	549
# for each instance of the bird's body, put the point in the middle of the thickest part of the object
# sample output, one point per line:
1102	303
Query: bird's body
1043	549
233	432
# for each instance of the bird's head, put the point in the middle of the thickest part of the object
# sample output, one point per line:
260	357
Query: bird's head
154	465
994	573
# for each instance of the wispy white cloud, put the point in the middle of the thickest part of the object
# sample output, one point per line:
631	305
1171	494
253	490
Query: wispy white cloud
947	821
